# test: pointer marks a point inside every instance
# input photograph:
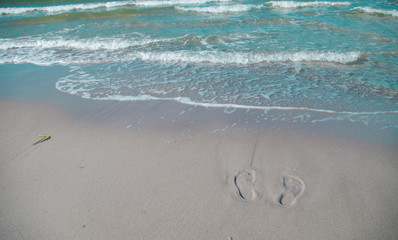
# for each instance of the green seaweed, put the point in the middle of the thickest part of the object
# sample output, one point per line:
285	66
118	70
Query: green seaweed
43	138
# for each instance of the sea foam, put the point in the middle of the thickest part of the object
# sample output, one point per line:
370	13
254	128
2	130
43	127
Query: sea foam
82	44
53	53
97	50
217	57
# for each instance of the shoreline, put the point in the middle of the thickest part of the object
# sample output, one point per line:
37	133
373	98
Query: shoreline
98	178
32	85
170	115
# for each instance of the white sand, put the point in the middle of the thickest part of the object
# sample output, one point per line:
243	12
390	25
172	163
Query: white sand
97	182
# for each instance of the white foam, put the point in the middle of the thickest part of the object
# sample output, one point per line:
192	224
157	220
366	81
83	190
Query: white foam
221	8
154	3
121	49
250	57
62	8
42	51
294	4
83	44
89	44
53	56
371	10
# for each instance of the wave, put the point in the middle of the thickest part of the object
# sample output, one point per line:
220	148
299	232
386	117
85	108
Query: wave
154	3
57	50
221	9
371	10
245	58
111	14
53	56
83	44
121	42
62	8
294	4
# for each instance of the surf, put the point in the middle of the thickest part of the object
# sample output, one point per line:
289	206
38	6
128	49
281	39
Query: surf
294	4
154	3
376	11
63	8
236	8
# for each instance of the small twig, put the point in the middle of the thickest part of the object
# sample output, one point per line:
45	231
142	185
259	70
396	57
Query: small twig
254	151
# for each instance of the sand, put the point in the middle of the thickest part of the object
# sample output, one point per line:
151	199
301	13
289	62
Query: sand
96	180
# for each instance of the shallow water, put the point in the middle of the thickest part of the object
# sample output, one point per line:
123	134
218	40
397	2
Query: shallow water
336	58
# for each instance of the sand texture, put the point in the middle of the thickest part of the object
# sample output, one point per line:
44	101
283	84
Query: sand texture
93	181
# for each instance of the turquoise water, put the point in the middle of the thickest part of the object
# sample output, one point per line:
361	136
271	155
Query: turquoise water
336	58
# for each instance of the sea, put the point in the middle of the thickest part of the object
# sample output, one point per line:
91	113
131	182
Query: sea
313	61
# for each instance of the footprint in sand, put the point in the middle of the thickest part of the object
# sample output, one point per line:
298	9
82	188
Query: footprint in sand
244	181
293	188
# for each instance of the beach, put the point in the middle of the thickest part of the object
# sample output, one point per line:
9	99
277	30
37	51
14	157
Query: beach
199	119
100	180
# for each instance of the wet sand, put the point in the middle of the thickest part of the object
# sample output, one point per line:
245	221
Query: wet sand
102	179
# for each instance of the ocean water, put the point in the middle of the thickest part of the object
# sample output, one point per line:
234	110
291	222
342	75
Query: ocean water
314	60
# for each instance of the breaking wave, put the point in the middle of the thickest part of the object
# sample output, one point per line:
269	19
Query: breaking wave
371	10
93	51
86	44
175	2
62	8
294	4
244	58
221	9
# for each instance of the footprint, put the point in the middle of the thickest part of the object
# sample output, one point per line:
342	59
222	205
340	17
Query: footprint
294	187
244	181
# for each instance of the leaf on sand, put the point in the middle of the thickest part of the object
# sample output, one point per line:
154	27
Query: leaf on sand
43	138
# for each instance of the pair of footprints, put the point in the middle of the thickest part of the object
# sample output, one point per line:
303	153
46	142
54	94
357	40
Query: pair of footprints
293	187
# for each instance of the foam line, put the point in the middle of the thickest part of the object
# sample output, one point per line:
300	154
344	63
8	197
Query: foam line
188	101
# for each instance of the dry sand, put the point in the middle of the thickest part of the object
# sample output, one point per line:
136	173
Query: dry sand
93	181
